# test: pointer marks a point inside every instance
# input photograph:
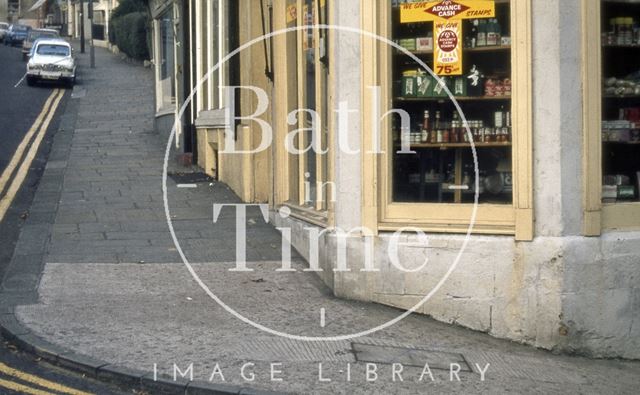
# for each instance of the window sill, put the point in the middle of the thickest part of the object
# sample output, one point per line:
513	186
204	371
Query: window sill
165	111
212	119
318	218
450	218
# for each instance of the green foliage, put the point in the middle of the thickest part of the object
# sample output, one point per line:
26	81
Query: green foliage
130	34
128	6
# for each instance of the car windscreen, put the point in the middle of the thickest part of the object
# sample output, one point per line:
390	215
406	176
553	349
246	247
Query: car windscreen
4	26
33	35
53	50
20	29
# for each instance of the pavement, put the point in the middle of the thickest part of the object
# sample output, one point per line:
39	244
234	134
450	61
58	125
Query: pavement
26	122
96	283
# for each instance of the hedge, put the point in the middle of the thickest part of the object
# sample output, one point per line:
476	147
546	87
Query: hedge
128	6
130	34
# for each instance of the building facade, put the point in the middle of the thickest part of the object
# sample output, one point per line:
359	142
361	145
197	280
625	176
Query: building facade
96	26
4	10
548	92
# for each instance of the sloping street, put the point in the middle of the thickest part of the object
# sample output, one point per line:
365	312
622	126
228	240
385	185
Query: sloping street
99	283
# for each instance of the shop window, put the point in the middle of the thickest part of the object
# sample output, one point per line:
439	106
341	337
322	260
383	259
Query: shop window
166	61
620	22
98	25
215	11
308	63
291	56
212	22
204	36
98	17
442	168
308	49
483	56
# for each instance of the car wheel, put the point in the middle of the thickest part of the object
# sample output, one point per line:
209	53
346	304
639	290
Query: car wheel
31	81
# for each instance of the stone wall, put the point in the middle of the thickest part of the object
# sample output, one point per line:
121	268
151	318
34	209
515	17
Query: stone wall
601	295
571	294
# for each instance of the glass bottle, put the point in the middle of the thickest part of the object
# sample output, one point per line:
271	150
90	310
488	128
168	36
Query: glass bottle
437	131
482	34
491	36
425	128
474	34
446	133
455	128
433	135
499	118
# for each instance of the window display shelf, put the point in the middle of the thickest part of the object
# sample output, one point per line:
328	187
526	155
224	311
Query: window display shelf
624	46
470	191
493	48
458	98
621	96
460	145
622	142
623	1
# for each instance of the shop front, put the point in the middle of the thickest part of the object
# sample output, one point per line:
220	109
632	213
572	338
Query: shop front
169	45
548	255
502	180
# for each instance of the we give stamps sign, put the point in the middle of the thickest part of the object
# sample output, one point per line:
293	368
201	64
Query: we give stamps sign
447	17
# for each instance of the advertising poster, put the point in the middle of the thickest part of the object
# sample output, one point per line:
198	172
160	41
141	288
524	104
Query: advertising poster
447	54
447	17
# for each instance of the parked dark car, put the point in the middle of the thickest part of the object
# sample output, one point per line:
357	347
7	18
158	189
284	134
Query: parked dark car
16	34
33	35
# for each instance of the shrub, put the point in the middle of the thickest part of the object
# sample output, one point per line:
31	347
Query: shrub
130	33
128	6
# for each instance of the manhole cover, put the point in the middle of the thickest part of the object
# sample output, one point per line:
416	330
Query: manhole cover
408	356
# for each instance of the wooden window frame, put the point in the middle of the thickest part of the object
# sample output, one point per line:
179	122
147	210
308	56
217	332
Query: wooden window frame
318	212
215	96
597	216
200	40
379	212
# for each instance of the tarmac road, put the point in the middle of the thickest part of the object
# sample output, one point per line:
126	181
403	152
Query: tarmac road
28	118
20	107
23	374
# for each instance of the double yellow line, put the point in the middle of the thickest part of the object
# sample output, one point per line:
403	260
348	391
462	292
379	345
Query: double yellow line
23	162
48	387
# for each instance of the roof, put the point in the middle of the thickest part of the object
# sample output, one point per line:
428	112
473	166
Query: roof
45	30
56	41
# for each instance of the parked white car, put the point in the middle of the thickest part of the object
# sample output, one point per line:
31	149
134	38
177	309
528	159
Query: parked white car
51	60
4	29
